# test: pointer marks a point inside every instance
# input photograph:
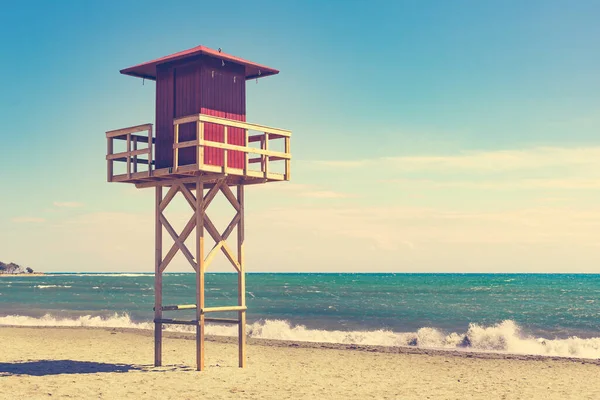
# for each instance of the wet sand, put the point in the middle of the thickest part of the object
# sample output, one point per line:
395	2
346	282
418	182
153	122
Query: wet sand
117	364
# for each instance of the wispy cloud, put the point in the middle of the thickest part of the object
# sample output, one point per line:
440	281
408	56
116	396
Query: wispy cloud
28	220
481	161
325	194
514	184
304	190
67	204
394	228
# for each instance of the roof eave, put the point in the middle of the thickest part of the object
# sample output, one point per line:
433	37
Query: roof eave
137	75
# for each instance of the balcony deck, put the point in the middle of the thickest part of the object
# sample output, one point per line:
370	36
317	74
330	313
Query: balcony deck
142	172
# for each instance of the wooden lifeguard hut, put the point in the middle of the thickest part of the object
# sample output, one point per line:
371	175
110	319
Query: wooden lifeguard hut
201	145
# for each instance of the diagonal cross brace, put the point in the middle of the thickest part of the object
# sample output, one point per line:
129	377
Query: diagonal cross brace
179	241
189	196
220	240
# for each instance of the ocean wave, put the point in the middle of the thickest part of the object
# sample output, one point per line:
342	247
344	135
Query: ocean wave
91	274
504	337
52	286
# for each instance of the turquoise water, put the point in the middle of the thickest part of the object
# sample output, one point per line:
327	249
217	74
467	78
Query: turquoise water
439	310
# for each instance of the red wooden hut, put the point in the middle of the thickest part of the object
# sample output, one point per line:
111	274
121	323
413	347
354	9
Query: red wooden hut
199	80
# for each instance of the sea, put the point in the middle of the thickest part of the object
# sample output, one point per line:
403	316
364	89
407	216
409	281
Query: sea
541	314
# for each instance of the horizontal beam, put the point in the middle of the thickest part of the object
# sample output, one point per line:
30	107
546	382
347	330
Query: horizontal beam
243	125
195	322
169	182
186	120
258	138
223	309
232	123
259	159
175	321
182	145
178	307
139	138
138	161
251	150
222	320
127	153
125	131
127	177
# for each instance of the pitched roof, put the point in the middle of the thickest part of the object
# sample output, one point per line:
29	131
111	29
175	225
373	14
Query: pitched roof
147	70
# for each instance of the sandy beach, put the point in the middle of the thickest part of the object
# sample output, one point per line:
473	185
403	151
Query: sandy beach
117	364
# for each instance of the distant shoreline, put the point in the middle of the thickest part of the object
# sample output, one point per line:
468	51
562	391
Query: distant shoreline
23	274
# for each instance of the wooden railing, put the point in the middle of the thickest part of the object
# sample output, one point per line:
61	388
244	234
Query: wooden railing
242	157
264	155
130	156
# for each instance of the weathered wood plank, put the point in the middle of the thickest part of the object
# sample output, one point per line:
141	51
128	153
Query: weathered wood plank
271	158
170	195
158	280
201	268
251	150
241	279
124	154
230	196
179	307
223	309
125	131
244	125
180	243
191	199
183	145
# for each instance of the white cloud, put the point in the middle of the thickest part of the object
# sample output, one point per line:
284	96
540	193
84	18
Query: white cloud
27	220
67	204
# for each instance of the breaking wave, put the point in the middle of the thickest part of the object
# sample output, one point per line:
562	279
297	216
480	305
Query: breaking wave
504	337
52	286
93	275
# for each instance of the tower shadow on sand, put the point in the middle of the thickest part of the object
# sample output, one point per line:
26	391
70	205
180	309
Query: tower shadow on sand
57	367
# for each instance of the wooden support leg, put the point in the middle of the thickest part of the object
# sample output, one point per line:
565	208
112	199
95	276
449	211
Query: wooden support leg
158	283
241	280
200	274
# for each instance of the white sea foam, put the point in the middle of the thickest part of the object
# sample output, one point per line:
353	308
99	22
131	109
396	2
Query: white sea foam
96	275
52	286
504	337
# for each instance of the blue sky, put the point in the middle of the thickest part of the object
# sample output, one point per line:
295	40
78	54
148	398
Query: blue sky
428	135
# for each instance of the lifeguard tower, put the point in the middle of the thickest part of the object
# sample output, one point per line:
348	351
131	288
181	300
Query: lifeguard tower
201	145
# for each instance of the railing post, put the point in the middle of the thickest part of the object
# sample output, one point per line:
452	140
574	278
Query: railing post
200	148
135	159
265	156
246	154
109	163
287	160
150	144
128	156
176	149
262	156
225	150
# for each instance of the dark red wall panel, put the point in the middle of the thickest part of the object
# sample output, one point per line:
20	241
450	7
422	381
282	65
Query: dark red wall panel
223	95
187	102
202	85
164	117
